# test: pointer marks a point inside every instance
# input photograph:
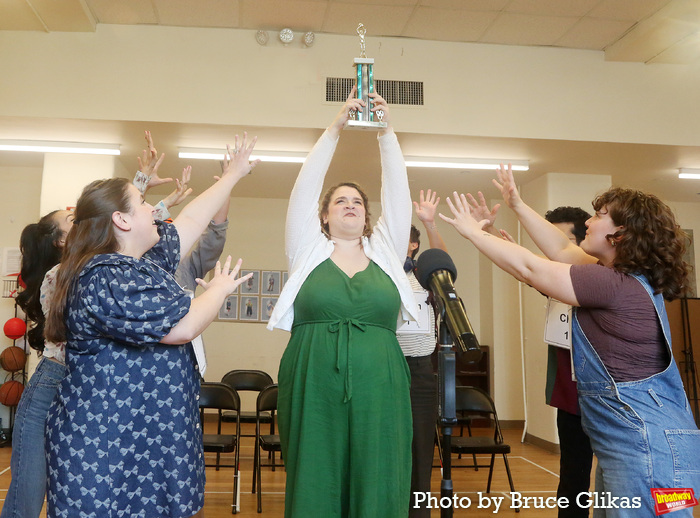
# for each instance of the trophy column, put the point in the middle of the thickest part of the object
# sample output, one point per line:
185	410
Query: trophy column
365	119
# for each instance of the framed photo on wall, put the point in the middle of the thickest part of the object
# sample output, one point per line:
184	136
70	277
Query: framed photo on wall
229	309
267	305
271	283
252	285
249	308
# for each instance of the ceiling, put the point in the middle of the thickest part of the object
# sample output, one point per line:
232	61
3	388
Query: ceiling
650	31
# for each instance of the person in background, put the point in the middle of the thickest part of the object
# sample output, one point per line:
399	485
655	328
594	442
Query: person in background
418	345
41	245
344	403
123	434
576	455
633	405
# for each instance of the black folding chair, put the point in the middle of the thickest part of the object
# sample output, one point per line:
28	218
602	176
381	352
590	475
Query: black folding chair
221	397
266	403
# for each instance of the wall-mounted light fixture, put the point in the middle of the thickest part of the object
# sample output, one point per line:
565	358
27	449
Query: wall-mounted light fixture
286	36
689	173
262	37
465	163
44	146
309	38
264	156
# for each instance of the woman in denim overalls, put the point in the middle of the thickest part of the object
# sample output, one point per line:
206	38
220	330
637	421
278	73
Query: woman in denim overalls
642	431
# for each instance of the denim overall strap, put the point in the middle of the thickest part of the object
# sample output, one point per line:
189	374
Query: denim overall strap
641	431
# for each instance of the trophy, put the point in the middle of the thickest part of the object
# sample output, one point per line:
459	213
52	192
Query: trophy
365	119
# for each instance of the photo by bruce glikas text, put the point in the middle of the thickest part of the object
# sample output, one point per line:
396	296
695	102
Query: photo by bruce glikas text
516	500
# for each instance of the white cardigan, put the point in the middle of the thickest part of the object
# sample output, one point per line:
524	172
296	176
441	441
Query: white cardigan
307	246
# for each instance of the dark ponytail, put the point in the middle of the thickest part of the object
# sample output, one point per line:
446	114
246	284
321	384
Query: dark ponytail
40	252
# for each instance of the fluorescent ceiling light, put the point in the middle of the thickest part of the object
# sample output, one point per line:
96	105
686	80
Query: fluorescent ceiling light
465	163
689	173
263	156
39	146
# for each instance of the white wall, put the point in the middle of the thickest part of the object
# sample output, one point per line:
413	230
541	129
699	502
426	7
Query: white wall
222	76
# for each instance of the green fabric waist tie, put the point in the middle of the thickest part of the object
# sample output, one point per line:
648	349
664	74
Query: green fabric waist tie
344	327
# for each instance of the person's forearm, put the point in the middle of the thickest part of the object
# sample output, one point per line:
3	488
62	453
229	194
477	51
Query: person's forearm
548	238
196	215
434	238
203	310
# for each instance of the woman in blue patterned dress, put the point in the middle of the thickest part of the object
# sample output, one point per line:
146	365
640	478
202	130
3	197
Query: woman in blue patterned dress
123	434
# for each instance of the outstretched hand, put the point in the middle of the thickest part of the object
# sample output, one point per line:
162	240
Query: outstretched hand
479	210
225	277
463	221
506	184
181	192
149	163
237	160
427	206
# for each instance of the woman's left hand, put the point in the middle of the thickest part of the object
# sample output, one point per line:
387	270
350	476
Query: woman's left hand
149	163
225	277
463	221
379	104
181	192
237	160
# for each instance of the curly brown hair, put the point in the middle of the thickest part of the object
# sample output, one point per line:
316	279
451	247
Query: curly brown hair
325	202
650	243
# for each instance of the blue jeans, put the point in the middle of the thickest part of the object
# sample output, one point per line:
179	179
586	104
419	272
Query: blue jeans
25	498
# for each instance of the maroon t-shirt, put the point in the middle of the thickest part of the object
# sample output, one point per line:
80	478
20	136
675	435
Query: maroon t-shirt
619	320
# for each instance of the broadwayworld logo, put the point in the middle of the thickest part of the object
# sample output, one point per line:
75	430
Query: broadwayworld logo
669	500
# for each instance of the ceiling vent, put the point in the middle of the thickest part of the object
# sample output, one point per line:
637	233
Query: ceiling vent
395	92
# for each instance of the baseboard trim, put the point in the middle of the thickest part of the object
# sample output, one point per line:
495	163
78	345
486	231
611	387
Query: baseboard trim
541	443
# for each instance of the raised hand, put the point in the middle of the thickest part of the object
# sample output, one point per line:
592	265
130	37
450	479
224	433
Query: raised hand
506	184
225	277
237	160
463	221
379	103
181	192
427	206
480	211
149	163
341	120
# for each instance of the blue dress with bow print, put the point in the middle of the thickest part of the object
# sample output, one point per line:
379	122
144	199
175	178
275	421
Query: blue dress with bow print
124	436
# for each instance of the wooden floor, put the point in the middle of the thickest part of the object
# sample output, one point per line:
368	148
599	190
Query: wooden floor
534	475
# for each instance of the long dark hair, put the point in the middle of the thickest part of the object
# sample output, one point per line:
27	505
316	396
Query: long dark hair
39	244
326	200
92	234
650	243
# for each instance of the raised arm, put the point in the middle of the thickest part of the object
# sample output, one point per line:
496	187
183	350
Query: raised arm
548	238
549	277
205	307
425	212
196	215
303	225
396	194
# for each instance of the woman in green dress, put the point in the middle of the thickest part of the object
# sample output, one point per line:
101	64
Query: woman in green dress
344	407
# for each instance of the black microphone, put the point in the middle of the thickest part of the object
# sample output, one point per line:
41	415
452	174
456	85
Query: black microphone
436	272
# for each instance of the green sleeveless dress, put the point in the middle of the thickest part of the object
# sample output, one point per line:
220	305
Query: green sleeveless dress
344	405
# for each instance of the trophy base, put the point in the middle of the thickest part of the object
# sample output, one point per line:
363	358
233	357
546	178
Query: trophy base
366	125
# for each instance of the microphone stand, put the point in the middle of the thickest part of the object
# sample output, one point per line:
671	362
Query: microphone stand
448	414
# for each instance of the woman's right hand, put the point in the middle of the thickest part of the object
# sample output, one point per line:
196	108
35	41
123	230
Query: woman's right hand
225	277
341	120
